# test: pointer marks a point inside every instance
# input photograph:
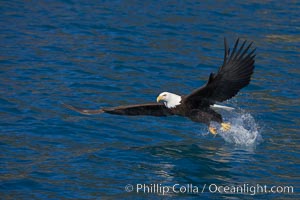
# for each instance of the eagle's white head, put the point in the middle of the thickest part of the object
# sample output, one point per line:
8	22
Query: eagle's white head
169	99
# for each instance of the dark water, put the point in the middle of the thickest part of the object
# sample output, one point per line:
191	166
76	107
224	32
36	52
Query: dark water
108	53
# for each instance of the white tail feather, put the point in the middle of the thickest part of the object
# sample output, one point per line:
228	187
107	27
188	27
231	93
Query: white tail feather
215	106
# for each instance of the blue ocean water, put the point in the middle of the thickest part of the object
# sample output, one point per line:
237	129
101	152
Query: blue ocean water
106	53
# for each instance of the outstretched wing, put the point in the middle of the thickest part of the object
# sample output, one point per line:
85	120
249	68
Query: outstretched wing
233	75
153	109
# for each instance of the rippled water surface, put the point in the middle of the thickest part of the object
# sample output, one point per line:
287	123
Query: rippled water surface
107	53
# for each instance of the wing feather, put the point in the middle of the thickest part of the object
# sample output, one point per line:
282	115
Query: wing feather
153	109
233	75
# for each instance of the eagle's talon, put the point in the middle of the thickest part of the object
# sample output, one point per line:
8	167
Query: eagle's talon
225	126
212	130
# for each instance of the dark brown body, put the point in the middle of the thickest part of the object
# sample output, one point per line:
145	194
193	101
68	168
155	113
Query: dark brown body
203	115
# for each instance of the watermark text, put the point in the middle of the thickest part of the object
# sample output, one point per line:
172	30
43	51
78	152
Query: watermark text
247	189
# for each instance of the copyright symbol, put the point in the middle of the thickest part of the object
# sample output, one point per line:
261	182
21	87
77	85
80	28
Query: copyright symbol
129	188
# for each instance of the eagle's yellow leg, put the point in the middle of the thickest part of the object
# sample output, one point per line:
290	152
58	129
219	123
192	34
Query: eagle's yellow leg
225	126
212	130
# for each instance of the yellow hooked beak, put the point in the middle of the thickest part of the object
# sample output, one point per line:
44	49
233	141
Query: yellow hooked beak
159	98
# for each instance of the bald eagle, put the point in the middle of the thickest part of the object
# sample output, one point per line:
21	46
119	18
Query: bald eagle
234	74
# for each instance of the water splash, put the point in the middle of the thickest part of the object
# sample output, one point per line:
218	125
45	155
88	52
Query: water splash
244	130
